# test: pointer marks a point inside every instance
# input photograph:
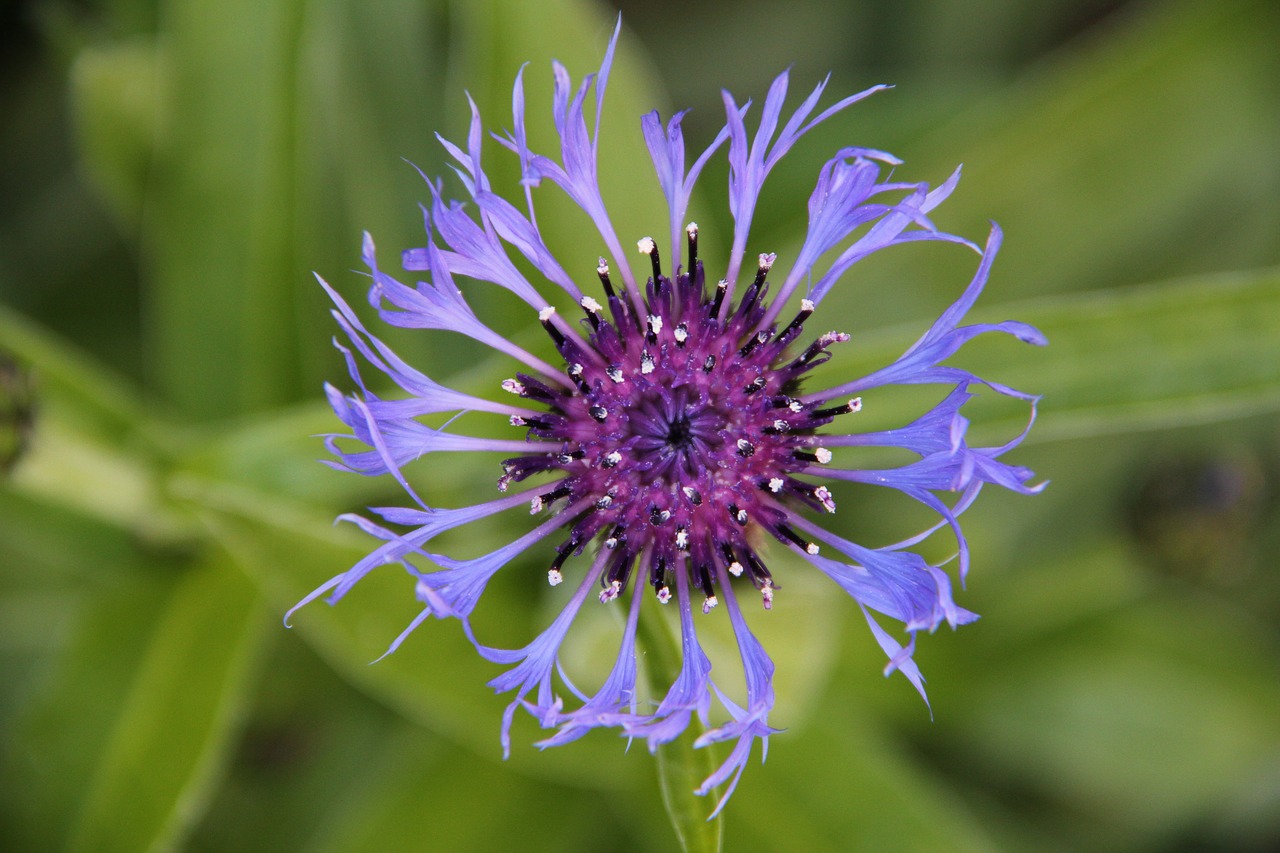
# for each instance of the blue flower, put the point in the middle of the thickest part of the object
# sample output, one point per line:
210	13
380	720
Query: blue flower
669	438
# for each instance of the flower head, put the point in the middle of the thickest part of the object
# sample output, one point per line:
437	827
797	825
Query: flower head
669	438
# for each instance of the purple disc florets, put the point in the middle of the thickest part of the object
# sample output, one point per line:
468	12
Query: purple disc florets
680	430
668	441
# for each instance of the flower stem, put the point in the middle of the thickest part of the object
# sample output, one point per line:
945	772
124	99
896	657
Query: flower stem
681	768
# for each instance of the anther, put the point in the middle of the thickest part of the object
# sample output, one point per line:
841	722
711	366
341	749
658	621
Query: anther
646	362
822	455
854	405
806	311
823	494
611	459
754	385
709	604
511	386
658	516
664	594
692	494
650	248
735	569
603	271
691	231
682	539
775	485
570	456
766	593
721	289
545	316
598	412
786	531
739	515
745	448
614	372
756	340
610	592
535	505
681	334
593	309
709	365
655	327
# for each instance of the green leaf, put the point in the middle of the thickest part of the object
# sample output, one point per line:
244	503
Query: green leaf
1163	712
1154	356
436	678
103	402
847	783
1126	157
115	101
166	747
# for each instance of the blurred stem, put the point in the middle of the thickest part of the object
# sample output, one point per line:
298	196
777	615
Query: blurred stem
681	768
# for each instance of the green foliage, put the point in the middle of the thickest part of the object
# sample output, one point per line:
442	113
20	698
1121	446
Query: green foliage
1119	692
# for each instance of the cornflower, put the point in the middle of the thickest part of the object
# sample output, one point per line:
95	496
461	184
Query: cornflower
670	438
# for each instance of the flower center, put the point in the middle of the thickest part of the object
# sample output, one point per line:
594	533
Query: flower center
678	431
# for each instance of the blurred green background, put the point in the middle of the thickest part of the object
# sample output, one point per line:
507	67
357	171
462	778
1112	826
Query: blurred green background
171	172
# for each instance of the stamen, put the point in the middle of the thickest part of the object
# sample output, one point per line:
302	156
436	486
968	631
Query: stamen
745	448
655	327
739	515
682	539
614	372
681	334
756	340
646	362
658	516
854	405
691	231
786	531
709	365
570	456
735	569
754	385
611	459
603	271
598	412
794	327
664	594
511	386
692	494
545	316
709	604
823	494
822	455
775	485
610	592
721	289
594	311
650	248
766	594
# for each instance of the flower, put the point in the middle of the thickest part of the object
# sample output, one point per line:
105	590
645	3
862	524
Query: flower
671	439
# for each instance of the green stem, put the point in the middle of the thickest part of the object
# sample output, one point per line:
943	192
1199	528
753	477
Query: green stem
681	768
